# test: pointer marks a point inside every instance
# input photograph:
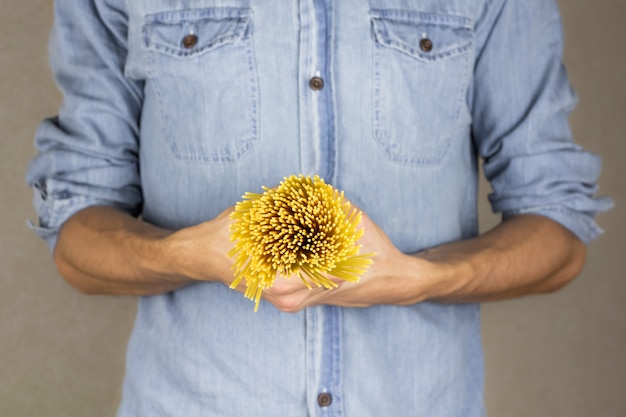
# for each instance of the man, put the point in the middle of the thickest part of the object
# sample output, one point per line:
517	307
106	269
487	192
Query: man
173	111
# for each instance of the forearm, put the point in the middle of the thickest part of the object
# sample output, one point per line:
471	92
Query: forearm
103	250
526	254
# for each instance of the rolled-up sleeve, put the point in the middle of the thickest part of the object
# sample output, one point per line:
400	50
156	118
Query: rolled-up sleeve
87	155
520	101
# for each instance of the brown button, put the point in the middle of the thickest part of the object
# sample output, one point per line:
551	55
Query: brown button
426	45
316	83
190	41
324	399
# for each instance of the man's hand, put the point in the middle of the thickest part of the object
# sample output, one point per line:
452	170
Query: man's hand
200	252
526	254
385	282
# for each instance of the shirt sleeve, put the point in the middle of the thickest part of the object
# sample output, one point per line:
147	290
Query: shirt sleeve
87	155
520	101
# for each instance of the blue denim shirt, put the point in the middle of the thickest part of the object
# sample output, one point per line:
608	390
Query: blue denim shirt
174	109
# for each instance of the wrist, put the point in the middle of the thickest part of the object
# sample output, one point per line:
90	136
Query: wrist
448	277
152	250
170	256
411	279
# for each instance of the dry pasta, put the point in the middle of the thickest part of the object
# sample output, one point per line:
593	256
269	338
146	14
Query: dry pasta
303	227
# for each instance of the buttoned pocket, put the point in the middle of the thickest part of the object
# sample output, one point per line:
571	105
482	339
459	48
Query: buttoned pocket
203	72
421	64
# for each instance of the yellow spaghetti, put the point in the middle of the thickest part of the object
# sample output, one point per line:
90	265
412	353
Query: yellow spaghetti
303	227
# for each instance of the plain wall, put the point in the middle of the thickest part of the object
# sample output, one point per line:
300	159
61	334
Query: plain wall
564	354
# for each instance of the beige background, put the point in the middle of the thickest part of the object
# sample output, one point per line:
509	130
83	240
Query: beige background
62	354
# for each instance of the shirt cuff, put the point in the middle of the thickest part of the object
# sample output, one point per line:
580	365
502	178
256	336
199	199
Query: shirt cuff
53	212
582	224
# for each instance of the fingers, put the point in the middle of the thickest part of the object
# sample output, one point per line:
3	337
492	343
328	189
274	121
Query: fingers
296	301
291	295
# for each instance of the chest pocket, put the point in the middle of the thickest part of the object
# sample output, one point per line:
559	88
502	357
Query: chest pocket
203	72
421	64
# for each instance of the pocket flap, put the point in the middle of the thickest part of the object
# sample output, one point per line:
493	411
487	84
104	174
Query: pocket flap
405	31
210	28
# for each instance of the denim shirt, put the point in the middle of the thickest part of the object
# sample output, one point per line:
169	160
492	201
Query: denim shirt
174	109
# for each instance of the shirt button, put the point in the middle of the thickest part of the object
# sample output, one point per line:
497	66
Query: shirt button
190	41
426	45
324	399
316	83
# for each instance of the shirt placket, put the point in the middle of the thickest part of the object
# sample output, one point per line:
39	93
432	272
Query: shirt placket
324	361
316	104
317	156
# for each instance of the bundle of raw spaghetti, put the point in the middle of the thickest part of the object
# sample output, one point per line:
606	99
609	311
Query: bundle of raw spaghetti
302	227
